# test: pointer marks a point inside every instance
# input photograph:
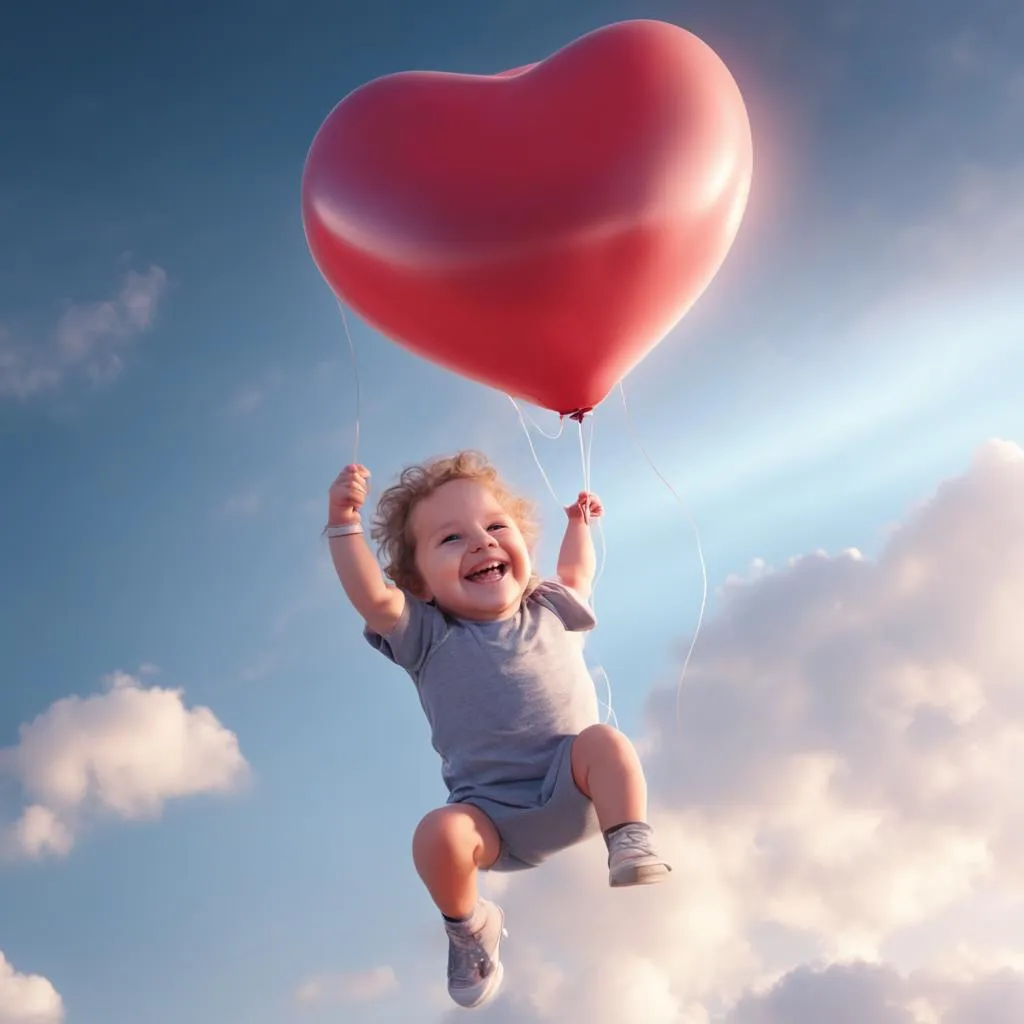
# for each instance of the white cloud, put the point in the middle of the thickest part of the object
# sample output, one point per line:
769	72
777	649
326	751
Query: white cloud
844	774
89	340
39	832
866	993
27	998
349	987
122	753
880	694
841	994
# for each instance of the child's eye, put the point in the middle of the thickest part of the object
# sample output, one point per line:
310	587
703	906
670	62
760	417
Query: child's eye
450	537
497	526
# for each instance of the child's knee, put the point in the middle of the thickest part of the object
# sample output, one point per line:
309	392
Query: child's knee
603	743
456	834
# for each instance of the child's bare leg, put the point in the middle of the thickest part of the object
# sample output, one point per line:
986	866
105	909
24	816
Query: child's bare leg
450	845
607	769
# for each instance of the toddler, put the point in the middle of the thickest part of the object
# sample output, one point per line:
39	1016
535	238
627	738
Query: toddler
496	655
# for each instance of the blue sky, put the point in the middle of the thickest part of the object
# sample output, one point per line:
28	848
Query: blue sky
176	396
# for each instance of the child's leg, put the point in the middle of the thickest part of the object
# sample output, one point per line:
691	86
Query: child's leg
607	769
450	845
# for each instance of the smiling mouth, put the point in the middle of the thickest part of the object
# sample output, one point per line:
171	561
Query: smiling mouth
492	572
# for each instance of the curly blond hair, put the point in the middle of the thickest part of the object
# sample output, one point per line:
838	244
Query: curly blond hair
391	522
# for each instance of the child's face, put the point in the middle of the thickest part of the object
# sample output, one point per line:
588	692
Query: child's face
470	552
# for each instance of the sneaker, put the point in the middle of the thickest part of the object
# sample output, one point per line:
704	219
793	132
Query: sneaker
474	967
632	859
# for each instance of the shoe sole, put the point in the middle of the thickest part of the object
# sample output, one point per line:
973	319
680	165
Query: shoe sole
642	874
494	981
489	993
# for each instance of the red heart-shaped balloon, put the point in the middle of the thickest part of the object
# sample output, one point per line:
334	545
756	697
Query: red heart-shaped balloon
539	230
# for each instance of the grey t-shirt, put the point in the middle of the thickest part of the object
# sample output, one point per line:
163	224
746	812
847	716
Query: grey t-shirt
500	697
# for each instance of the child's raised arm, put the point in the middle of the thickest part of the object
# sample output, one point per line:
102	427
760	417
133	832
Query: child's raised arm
358	570
577	561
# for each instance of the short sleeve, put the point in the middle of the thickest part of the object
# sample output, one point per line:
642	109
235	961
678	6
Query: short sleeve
575	613
419	629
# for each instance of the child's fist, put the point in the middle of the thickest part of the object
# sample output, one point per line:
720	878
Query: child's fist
588	506
347	495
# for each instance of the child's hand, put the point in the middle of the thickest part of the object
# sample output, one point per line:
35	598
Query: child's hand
588	506
347	494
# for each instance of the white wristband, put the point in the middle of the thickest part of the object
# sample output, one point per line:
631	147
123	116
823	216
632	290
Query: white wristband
343	529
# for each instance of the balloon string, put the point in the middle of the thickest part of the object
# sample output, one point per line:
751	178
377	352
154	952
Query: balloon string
700	555
355	376
533	450
585	450
536	426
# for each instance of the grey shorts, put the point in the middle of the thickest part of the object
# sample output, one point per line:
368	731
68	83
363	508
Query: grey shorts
561	817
